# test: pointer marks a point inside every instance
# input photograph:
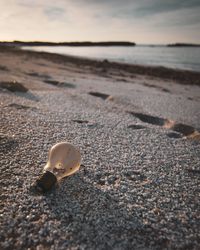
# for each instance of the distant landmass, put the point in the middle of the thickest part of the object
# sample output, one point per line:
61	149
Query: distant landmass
38	43
92	44
183	45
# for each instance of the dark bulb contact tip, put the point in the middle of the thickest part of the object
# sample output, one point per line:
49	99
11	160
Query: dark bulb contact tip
45	182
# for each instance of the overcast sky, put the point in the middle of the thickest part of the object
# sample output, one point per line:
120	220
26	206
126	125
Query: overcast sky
141	21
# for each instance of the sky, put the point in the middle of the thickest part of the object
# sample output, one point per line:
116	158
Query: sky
140	21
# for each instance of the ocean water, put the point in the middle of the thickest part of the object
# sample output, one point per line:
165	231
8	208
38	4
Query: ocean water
187	58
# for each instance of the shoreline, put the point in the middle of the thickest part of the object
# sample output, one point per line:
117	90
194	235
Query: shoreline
186	77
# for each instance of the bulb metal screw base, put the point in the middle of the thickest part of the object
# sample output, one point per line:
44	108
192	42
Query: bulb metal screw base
45	182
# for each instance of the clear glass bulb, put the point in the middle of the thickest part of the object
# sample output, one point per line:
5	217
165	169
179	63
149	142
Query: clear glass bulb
64	160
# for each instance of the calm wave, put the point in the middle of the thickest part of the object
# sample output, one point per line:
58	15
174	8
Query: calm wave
172	57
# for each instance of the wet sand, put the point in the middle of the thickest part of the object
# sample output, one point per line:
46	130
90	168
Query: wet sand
138	132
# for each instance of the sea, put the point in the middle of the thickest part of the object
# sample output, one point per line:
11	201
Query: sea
186	58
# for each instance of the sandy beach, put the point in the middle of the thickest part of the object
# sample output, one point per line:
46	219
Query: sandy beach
138	131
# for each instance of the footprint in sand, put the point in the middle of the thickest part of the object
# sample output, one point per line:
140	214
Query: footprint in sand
35	74
18	89
133	126
20	106
121	80
149	119
3	68
156	87
101	95
165	90
80	121
13	86
89	124
185	130
60	84
174	135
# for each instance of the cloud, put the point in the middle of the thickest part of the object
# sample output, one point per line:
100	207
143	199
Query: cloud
54	13
157	7
138	20
144	15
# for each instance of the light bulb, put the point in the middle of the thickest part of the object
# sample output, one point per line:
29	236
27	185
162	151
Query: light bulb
64	159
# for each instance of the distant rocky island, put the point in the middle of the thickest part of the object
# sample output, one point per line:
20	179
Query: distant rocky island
183	45
38	43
